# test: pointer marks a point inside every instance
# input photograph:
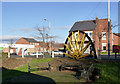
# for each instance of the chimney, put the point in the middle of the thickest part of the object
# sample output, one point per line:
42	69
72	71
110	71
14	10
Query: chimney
96	20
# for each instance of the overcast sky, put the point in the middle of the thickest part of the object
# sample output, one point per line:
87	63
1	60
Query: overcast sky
20	18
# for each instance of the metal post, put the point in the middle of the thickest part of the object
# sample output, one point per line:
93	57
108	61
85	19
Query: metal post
109	29
43	41
50	39
49	36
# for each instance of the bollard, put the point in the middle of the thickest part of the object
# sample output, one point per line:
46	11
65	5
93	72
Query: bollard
52	54
22	52
8	54
37	54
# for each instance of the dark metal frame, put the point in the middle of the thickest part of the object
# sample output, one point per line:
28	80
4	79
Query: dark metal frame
92	44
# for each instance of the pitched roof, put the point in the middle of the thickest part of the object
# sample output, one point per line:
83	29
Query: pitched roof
30	40
84	25
59	45
117	34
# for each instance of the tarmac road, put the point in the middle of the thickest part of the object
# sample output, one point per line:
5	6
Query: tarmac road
104	56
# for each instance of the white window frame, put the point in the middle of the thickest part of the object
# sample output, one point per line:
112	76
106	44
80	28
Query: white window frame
75	35
85	32
102	36
89	34
41	48
104	44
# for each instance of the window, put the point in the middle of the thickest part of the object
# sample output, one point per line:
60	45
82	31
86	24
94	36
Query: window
90	34
76	36
41	48
87	33
38	48
104	46
103	35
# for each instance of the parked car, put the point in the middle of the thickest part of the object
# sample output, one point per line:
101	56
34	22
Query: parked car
58	52
39	53
13	54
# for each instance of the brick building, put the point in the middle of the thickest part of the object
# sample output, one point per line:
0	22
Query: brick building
116	39
96	29
38	45
19	49
29	41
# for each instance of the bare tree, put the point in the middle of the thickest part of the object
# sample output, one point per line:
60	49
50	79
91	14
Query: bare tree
41	33
44	36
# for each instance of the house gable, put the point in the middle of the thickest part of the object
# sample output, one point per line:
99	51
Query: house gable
26	41
22	41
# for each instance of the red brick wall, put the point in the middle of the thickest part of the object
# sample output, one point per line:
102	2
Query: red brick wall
102	26
116	39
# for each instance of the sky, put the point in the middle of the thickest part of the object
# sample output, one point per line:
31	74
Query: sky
19	19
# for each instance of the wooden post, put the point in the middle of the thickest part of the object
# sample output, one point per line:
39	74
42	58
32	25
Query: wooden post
28	68
49	66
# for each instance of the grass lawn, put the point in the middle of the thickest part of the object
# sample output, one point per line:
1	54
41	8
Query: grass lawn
59	76
10	73
25	67
107	53
110	72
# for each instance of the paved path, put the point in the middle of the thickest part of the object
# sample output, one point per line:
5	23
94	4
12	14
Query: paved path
105	57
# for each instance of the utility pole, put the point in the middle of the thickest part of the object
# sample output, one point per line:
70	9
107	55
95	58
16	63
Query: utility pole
50	39
43	41
109	29
49	36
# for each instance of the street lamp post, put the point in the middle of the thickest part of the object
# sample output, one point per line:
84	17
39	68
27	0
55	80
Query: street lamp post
49	36
109	29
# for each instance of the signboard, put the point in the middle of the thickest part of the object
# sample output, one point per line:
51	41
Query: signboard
116	48
1	48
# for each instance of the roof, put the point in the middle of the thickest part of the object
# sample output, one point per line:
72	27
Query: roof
117	34
30	40
84	25
59	45
45	45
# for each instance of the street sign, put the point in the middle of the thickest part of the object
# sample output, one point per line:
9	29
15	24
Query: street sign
116	48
